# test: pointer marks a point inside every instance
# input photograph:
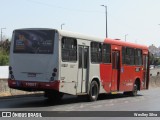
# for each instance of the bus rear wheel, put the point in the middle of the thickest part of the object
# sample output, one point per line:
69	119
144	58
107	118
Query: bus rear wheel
94	91
133	92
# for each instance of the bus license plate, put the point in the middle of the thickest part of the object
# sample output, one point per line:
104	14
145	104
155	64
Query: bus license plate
31	84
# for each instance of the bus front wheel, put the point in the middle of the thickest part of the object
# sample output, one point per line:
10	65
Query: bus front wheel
94	91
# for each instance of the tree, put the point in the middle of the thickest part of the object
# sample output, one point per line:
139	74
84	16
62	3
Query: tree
6	46
4	52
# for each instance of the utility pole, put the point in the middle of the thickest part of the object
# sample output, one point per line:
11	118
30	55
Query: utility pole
106	19
62	25
126	37
2	33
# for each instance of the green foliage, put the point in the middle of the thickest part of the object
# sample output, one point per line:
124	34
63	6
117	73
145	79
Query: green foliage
4	58
4	52
157	61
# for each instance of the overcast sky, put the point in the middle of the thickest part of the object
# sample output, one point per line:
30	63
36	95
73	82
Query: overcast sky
138	19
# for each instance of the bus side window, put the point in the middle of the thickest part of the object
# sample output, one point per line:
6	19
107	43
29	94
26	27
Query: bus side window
106	53
127	56
69	49
96	52
123	55
131	56
138	57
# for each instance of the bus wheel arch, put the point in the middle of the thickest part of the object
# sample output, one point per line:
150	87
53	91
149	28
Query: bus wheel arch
94	89
135	88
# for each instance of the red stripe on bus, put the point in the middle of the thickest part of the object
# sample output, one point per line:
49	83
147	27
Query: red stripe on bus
34	85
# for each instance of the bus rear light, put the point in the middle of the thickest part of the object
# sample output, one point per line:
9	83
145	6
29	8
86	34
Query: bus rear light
12	77
52	79
47	85
10	68
53	74
55	69
10	72
13	83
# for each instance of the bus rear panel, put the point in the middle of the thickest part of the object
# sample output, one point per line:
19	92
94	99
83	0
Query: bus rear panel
34	60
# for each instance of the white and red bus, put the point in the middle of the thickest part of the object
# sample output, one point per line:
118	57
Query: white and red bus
62	62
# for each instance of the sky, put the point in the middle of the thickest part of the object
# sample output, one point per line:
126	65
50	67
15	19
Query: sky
138	20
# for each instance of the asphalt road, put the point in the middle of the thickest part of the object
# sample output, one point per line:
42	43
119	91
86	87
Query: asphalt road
147	100
154	71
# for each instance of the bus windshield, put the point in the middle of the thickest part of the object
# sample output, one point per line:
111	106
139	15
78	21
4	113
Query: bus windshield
34	41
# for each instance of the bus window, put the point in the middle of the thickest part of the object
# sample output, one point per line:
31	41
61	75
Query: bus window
69	49
131	56
138	57
96	52
123	55
128	56
85	58
80	57
34	42
106	53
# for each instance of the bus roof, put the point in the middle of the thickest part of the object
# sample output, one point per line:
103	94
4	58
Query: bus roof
106	40
80	36
70	34
123	43
91	38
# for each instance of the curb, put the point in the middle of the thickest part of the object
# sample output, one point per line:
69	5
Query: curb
21	96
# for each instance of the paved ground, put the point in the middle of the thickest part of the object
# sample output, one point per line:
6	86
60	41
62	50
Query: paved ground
154	71
146	101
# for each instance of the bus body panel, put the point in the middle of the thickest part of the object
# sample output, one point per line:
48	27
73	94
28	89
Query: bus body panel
33	86
106	76
29	67
70	77
129	73
35	68
127	78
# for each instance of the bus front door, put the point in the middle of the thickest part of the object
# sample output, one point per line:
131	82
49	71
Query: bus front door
82	83
145	71
115	70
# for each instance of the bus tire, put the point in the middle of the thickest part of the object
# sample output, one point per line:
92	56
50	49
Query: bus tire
94	91
133	92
